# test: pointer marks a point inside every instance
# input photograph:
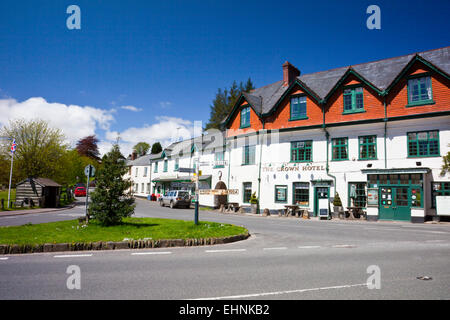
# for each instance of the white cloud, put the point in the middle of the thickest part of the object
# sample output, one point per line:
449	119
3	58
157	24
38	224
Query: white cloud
75	121
131	108
165	131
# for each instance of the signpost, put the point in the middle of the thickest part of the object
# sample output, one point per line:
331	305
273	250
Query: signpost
195	179
219	192
89	171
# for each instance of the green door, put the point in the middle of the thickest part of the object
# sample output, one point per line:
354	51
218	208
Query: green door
402	207
386	203
320	193
394	203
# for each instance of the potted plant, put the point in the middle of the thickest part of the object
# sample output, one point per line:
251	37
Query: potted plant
337	205
254	203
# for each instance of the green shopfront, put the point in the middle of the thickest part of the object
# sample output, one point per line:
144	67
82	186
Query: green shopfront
400	191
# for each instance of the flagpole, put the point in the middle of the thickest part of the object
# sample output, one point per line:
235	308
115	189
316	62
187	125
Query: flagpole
10	178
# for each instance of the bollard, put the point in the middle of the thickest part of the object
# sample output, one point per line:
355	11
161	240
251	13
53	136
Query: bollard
3	204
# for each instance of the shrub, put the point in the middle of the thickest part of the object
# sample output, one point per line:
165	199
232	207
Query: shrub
254	198
337	201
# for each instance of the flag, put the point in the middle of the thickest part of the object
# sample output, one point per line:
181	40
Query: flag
13	146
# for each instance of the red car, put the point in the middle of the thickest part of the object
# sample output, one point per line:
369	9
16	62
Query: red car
80	192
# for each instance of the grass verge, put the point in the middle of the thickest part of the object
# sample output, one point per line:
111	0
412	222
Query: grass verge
130	229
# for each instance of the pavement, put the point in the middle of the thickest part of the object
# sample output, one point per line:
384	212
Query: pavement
285	258
10	213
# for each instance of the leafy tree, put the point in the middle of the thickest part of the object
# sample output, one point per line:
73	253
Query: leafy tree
224	102
5	165
73	165
142	148
87	147
111	201
156	148
39	152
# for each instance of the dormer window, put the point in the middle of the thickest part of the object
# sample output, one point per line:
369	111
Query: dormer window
419	91
245	117
353	100
298	107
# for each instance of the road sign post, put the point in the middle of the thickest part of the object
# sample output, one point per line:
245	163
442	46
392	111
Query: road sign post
89	171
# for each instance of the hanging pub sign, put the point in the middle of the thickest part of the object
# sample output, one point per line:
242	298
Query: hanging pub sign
372	197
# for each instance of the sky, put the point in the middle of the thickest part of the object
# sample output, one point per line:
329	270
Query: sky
147	70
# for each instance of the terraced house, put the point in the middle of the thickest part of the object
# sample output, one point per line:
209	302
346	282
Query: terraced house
374	132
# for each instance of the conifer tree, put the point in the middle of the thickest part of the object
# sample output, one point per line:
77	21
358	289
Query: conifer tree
111	201
224	102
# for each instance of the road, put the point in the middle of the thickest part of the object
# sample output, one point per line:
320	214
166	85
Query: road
285	258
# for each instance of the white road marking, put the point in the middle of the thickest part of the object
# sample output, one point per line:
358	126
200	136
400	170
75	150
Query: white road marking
309	247
343	246
226	250
147	253
277	248
5	258
252	295
72	255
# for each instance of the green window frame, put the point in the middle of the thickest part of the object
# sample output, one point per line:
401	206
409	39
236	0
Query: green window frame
248	155
219	157
423	144
245	117
155	170
367	147
281	193
439	189
301	151
420	91
300	194
353	100
298	108
340	149
165	165
247	192
177	164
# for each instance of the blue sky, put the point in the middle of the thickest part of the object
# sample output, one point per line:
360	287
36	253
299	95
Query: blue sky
168	58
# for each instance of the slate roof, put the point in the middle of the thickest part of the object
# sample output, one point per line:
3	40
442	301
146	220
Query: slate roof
209	140
380	74
45	182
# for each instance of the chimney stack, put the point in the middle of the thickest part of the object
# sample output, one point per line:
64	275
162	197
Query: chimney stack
134	155
289	73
